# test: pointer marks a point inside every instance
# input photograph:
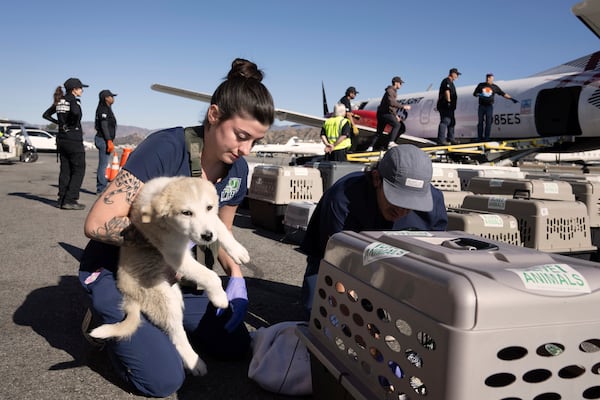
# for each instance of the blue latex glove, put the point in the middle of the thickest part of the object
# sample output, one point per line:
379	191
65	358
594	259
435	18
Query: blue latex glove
237	295
514	100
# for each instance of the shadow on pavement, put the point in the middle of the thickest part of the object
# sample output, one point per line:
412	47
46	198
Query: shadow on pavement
55	313
29	196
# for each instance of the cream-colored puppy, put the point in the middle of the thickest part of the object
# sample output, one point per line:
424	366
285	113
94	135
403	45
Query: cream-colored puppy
170	212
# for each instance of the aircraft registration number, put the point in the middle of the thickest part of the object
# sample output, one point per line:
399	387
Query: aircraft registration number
507	119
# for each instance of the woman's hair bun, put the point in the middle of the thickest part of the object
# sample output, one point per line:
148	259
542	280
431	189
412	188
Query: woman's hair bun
242	68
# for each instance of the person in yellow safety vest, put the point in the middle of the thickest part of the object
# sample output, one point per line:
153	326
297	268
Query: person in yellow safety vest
336	133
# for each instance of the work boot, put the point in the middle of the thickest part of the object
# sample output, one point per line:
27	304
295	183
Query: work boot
72	206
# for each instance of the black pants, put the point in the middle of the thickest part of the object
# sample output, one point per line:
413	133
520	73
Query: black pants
382	139
337	155
72	170
446	126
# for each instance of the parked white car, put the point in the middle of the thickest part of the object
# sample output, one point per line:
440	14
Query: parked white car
40	139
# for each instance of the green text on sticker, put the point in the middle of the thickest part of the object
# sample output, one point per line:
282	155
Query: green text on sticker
377	250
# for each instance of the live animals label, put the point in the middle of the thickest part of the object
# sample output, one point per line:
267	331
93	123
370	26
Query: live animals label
554	277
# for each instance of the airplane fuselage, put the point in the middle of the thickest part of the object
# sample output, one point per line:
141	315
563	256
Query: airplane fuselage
549	105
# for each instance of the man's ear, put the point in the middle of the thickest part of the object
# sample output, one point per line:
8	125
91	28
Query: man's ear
213	114
376	178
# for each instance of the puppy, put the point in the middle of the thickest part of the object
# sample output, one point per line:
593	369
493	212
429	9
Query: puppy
170	212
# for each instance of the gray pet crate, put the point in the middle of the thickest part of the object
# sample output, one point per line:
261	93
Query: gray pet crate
448	316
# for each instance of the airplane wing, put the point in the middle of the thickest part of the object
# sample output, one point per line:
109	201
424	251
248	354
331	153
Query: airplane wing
205	97
298	118
282	115
588	11
365	132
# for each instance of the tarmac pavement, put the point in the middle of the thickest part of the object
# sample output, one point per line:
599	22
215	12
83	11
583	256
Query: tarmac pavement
43	354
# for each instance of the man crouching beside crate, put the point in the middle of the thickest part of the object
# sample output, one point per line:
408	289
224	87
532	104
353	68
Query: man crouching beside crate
394	194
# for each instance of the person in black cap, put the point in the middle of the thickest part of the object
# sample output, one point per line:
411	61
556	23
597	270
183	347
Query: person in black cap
106	128
395	194
387	114
70	146
346	100
48	115
446	105
485	112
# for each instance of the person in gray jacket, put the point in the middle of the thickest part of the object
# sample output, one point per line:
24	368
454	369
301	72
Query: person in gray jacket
387	114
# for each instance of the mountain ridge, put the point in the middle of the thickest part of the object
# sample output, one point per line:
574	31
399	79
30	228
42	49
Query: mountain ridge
133	135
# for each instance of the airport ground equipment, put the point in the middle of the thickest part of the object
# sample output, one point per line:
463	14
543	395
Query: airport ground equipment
477	152
545	225
16	146
273	187
449	316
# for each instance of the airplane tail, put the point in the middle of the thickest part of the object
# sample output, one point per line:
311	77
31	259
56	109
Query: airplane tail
123	329
325	108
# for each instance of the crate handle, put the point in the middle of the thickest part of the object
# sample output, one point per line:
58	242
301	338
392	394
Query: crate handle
468	244
522	194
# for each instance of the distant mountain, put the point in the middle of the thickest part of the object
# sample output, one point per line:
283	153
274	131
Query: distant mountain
134	135
123	133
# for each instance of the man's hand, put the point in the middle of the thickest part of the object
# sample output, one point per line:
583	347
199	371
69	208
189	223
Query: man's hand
514	100
110	147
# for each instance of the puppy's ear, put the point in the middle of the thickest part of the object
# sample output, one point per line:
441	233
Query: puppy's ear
161	204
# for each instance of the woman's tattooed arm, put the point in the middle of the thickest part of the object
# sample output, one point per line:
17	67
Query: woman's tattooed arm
119	230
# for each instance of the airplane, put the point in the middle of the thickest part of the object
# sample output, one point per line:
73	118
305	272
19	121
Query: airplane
293	146
562	102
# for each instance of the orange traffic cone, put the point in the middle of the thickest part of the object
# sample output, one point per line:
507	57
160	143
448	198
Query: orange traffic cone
124	156
114	167
107	172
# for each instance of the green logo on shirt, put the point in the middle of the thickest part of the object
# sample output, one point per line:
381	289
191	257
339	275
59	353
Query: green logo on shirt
233	186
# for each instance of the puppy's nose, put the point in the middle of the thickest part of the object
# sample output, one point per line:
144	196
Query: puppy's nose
207	236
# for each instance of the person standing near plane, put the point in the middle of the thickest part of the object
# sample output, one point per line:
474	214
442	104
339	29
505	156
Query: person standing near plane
486	91
446	105
346	100
394	194
387	114
70	146
106	127
335	134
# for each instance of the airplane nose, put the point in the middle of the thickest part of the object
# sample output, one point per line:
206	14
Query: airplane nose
207	236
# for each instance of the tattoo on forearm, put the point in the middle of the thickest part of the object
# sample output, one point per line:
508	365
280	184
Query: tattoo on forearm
112	231
126	183
119	231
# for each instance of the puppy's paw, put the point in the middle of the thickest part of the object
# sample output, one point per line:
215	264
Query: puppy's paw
198	368
218	298
238	253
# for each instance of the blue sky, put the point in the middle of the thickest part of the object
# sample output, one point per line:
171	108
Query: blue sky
125	46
